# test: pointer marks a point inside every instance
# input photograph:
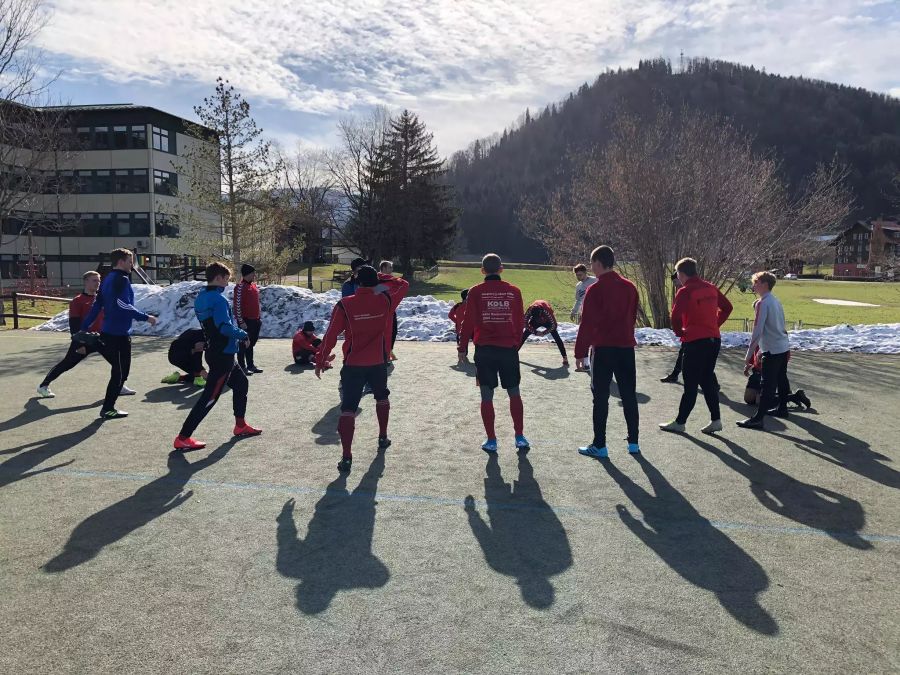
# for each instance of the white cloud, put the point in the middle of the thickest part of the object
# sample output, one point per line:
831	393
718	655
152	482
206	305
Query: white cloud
460	63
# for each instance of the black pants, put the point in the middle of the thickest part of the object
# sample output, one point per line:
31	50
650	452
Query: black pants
606	363
70	360
676	370
191	363
222	371
774	377
355	378
245	354
558	340
394	332
116	349
699	366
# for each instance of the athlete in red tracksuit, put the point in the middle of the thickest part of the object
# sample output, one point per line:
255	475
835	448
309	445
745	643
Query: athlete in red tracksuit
458	312
305	344
248	316
494	320
540	317
365	320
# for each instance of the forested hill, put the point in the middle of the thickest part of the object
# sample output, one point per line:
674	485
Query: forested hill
804	121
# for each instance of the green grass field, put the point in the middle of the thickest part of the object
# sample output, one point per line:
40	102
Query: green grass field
557	288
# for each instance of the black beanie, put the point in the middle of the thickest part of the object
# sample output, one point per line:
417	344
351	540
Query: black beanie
247	269
309	327
367	276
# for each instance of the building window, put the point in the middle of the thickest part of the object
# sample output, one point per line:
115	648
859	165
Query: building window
165	182
129	181
139	137
102	183
120	138
161	139
166	225
84	137
101	138
140	224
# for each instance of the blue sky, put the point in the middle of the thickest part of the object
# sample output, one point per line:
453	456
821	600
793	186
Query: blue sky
468	67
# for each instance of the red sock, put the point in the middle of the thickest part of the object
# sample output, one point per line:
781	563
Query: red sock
346	426
518	414
383	410
487	416
239	421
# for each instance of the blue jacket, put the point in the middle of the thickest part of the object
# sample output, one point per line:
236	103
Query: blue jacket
214	314
349	287
116	299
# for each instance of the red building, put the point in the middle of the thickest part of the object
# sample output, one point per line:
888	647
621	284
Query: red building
868	250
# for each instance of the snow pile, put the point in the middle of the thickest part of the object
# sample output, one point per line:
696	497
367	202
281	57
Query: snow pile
423	318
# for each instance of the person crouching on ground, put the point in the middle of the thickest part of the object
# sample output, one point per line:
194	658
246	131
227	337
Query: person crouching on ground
540	320
754	385
365	320
305	345
186	353
222	338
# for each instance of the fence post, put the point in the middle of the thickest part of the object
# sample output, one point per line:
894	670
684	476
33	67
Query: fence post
15	299
746	326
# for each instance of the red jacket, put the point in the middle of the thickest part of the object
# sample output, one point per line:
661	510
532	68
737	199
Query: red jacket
246	302
494	315
303	342
78	309
365	320
608	314
456	315
539	315
699	309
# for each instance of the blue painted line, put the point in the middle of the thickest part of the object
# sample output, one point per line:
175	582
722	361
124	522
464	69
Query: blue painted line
451	501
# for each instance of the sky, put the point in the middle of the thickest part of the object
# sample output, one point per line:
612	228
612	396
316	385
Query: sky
468	68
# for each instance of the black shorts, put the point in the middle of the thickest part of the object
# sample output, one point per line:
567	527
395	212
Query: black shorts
491	361
354	378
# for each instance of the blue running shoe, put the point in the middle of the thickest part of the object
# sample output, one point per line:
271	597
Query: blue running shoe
490	446
593	451
634	449
522	444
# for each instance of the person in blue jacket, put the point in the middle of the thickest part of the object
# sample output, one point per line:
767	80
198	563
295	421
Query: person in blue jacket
222	338
349	287
116	299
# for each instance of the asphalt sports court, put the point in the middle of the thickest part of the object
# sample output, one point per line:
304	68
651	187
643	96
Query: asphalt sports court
747	552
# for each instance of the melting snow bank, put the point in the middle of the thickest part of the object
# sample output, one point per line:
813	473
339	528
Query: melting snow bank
423	318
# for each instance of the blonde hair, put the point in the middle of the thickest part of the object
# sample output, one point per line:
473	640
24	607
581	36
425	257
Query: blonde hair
92	273
766	277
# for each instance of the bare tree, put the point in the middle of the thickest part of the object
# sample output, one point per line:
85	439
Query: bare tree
680	185
358	219
308	199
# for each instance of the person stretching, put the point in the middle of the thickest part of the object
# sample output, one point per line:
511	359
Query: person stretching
222	337
365	320
78	309
494	321
540	320
186	353
116	300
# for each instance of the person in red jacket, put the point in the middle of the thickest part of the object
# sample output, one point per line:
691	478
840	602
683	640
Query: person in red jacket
78	309
457	312
540	320
305	344
247	315
699	311
365	320
385	273
606	332
494	321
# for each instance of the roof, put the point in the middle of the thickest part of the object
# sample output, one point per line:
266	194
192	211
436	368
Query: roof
92	106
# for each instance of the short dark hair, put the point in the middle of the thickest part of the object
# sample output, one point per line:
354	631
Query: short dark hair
580	267
491	263
464	293
604	255
367	276
357	263
217	269
119	254
687	266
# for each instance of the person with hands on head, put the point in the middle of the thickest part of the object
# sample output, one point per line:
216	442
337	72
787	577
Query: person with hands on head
222	340
365	320
116	300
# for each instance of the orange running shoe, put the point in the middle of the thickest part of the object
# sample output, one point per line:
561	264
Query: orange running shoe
188	444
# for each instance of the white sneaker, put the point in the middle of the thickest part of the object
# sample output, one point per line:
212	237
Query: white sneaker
712	427
44	392
672	426
126	391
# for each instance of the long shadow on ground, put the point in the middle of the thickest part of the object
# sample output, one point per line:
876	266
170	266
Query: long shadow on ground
117	521
689	544
32	455
835	514
35	411
525	539
337	553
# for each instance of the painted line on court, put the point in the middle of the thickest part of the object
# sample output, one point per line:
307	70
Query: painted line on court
451	501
